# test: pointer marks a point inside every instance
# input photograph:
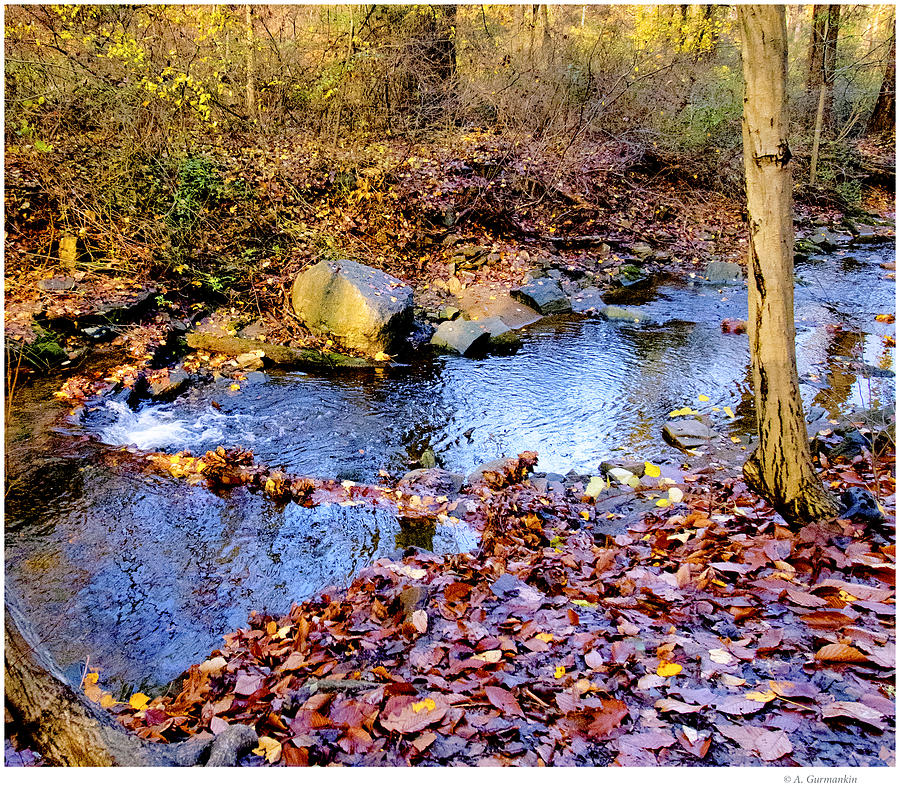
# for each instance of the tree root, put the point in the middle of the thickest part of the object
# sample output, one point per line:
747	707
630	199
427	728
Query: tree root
68	730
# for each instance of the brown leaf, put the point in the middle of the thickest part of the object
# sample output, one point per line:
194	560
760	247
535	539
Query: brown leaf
827	619
593	659
840	653
856	711
674	705
406	714
503	700
772	745
248	684
606	719
739	705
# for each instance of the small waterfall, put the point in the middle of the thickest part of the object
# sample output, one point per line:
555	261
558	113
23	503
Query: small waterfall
156	427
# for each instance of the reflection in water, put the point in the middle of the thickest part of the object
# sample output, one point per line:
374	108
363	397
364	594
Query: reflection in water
145	575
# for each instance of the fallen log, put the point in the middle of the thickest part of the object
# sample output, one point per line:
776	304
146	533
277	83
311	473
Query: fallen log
68	730
278	354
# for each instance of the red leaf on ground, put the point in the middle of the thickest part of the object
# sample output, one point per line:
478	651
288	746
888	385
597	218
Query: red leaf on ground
607	718
856	711
406	714
503	700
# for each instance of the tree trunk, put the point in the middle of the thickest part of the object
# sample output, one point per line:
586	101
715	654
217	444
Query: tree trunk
883	119
829	60
817	134
251	66
781	468
816	46
68	730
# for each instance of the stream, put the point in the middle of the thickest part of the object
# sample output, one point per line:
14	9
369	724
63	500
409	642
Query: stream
142	575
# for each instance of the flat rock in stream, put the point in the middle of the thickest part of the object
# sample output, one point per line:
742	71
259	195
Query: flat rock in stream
687	433
723	272
277	354
461	336
501	336
613	312
544	295
368	310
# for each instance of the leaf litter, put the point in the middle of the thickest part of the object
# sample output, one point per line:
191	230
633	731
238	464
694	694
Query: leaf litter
703	633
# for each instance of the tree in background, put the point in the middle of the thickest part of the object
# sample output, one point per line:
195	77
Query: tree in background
883	118
781	467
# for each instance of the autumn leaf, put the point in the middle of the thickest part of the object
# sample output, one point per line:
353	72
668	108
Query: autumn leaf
763	696
856	711
840	653
666	669
139	701
270	748
503	700
419	621
405	714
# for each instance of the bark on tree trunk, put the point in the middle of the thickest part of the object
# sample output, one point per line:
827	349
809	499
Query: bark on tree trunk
816	46
883	118
68	730
251	67
781	468
830	60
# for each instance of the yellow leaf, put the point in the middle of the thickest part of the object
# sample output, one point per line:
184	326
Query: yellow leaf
584	604
545	637
735	440
559	672
139	701
92	678
651	471
425	704
662	502
728	412
491	656
666	669
93	693
282	632
595	487
846	596
107	701
764	697
687	410
269	748
703	398
382	357
234	387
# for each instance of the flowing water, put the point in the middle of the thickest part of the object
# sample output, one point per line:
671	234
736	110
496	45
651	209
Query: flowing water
143	575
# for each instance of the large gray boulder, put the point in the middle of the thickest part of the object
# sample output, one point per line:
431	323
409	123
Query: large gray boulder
544	295
364	308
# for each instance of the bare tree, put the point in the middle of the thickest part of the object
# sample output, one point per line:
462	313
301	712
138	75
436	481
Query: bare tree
883	116
781	467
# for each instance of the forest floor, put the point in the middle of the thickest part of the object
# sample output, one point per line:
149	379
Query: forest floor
702	632
697	630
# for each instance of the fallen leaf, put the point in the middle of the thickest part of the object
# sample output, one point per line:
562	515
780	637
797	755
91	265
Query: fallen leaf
406	714
666	669
139	701
419	621
269	748
503	700
856	711
840	653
